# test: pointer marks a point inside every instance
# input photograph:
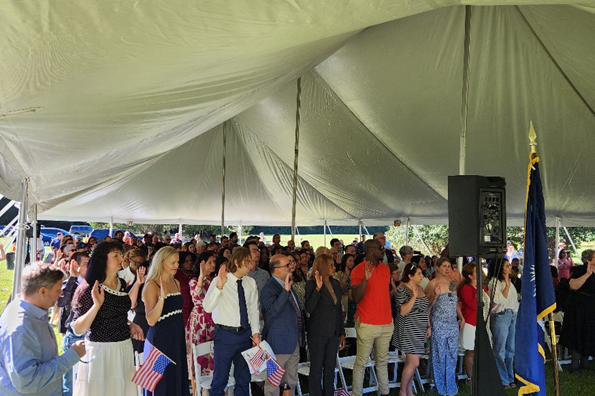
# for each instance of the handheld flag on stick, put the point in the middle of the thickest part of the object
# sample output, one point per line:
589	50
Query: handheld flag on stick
538	298
274	372
152	370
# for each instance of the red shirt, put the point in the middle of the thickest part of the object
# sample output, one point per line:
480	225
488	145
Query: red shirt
375	307
468	299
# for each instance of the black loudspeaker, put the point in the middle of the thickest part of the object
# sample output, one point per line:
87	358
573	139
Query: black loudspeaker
477	216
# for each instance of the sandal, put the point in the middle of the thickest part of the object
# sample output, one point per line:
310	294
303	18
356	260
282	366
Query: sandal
512	385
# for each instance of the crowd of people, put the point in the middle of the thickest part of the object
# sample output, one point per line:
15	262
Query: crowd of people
299	300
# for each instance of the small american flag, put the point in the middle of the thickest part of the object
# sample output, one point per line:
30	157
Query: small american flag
274	372
259	359
151	372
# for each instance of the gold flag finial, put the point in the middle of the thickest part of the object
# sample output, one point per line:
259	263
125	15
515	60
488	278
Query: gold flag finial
532	138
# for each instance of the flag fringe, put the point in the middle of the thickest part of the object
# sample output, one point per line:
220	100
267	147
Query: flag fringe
528	387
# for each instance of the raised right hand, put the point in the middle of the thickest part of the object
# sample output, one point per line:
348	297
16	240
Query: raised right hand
414	291
140	275
318	278
97	294
288	282
203	269
74	269
222	276
368	271
79	347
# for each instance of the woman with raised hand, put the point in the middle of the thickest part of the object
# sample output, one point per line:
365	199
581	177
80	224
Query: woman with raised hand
579	319
503	320
347	264
326	334
184	276
411	325
101	307
467	292
163	306
200	327
444	309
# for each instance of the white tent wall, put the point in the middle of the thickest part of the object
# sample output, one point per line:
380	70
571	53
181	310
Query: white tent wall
128	101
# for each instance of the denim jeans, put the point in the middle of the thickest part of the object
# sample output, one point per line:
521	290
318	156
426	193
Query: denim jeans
69	339
503	325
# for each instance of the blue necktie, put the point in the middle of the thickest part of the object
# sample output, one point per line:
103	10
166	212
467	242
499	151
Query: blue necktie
243	310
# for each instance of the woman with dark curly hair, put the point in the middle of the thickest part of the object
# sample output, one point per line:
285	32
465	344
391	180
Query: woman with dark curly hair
579	319
200	327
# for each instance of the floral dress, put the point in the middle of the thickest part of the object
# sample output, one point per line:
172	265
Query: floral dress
200	327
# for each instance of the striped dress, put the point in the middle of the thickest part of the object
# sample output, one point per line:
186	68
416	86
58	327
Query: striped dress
409	335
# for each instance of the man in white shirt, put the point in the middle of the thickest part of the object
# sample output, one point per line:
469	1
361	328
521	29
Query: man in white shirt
233	301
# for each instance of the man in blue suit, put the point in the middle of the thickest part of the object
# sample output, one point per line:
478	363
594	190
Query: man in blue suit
283	322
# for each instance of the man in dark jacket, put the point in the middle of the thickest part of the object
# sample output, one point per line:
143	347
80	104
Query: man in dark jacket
283	322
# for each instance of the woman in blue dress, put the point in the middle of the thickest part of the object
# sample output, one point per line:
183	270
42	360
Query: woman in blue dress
444	309
163	306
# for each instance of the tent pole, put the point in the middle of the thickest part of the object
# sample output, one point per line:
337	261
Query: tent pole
407	232
465	93
21	235
240	233
359	223
421	239
296	156
223	168
8	206
34	244
111	226
572	243
180	228
7	227
464	104
557	243
324	242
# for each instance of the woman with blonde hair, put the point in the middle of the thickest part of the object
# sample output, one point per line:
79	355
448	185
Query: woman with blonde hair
163	307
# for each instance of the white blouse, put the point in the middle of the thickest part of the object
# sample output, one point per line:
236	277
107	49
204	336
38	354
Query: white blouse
501	303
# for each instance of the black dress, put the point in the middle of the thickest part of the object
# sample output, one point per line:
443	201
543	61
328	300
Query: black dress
579	317
168	336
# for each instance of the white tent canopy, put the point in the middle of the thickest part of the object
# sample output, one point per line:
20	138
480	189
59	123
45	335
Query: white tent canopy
115	109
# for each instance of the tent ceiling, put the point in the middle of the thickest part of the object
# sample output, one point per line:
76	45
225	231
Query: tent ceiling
116	109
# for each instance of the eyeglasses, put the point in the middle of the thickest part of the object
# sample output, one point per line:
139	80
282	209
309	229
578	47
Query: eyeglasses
282	266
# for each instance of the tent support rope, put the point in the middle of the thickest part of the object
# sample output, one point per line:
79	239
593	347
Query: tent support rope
556	64
223	165
296	155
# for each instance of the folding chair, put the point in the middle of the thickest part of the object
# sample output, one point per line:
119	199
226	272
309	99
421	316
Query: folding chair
203	382
348	362
304	369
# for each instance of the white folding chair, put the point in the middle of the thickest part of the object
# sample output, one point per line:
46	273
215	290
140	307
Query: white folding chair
138	361
347	363
304	369
203	382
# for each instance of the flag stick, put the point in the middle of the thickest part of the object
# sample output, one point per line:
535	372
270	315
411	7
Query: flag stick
554	353
161	352
533	146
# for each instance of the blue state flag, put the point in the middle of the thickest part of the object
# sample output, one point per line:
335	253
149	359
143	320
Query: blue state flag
538	298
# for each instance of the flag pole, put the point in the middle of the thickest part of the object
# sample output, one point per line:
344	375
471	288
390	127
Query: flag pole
554	343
